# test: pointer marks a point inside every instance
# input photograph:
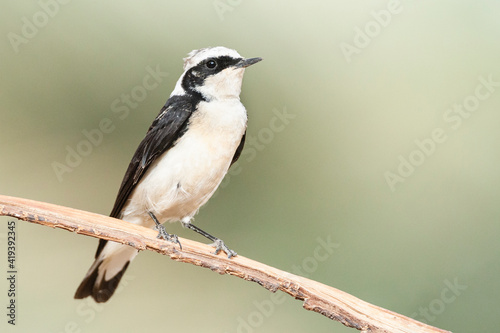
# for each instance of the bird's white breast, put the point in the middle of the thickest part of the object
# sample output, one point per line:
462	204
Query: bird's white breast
180	181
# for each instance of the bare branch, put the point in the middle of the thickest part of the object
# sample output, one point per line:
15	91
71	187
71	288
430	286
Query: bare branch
328	301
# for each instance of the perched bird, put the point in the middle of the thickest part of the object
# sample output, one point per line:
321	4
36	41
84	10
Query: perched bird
187	151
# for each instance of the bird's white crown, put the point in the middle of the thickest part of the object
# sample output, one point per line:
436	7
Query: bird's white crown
196	56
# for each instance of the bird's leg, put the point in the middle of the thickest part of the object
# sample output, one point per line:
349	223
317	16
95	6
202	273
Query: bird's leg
162	233
217	242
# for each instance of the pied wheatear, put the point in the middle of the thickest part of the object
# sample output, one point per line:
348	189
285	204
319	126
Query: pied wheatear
187	151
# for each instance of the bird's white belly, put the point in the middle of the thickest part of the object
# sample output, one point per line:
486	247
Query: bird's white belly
180	181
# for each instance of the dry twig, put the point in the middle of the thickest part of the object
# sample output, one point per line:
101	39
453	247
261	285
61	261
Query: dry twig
328	301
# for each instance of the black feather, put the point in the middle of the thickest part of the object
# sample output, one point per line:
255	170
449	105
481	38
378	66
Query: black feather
101	291
238	151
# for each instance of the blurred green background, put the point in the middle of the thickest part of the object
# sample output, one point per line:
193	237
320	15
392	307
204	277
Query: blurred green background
361	82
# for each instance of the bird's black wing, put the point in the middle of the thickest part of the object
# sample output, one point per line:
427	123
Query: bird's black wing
238	151
170	124
166	129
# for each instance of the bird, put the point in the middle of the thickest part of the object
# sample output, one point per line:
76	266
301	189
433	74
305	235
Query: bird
186	152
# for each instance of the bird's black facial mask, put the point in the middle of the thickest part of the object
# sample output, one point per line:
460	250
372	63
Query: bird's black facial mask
195	76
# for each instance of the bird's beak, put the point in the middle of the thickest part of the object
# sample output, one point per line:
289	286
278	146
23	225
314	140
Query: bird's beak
244	63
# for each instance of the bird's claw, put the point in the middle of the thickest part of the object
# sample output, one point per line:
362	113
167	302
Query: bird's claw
220	246
163	234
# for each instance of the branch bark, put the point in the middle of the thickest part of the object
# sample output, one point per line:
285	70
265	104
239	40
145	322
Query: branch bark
330	302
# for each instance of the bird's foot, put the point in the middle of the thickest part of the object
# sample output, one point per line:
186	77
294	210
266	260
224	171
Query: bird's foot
163	234
220	246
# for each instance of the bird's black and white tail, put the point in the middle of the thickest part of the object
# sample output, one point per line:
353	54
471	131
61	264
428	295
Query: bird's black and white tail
111	261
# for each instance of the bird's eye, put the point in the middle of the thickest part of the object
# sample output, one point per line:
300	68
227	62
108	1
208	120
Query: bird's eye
211	64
